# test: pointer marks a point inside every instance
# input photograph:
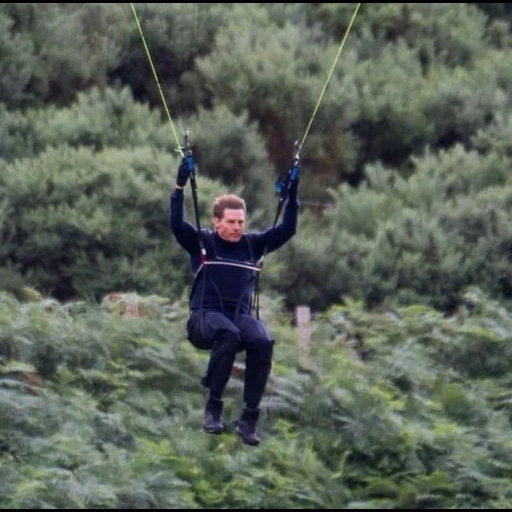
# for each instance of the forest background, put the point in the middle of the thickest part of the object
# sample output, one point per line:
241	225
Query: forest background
403	252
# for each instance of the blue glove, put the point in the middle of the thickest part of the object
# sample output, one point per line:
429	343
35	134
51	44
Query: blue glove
293	177
185	169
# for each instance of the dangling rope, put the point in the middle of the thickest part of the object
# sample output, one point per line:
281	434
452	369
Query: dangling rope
156	78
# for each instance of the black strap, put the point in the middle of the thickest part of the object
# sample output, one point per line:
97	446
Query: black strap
193	187
283	187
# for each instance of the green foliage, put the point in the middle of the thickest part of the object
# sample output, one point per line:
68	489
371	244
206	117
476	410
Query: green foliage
228	148
97	120
411	259
317	267
447	33
276	74
55	50
404	408
392	122
405	241
17	60
85	224
108	119
500	11
175	34
397	409
461	108
12	281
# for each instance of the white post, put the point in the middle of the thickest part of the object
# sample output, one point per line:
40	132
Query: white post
303	318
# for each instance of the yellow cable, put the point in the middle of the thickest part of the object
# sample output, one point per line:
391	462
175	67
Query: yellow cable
329	76
156	78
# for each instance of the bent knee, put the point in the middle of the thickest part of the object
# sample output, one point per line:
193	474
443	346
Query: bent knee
226	340
264	347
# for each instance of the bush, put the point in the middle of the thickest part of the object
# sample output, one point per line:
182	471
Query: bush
82	224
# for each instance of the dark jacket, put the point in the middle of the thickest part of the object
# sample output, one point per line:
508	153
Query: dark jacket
225	282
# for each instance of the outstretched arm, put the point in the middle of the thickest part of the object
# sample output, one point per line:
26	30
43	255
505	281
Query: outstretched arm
186	234
275	237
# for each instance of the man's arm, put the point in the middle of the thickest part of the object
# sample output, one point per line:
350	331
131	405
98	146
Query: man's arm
275	237
186	234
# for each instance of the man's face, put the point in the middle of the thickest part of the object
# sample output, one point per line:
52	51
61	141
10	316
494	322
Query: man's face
231	226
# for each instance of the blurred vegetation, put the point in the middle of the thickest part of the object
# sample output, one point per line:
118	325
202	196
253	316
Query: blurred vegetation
100	408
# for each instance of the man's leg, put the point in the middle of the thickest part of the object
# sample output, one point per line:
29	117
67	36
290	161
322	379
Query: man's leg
259	345
223	337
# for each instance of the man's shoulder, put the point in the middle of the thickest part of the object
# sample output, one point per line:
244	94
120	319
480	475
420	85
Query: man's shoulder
207	235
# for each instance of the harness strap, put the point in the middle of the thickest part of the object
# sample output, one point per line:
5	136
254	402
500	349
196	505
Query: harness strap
283	188
219	261
246	266
193	187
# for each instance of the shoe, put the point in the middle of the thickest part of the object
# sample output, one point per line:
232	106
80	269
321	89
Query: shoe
212	423
246	427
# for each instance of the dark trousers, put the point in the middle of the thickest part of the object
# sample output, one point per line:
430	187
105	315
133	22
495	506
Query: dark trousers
225	336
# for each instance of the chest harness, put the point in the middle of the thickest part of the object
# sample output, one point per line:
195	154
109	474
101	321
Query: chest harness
244	273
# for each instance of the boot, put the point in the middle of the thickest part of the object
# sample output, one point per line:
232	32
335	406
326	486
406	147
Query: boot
212	423
246	427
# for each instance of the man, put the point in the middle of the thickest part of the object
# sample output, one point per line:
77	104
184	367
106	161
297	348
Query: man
225	263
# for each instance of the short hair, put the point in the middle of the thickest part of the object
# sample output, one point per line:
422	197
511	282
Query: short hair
227	202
